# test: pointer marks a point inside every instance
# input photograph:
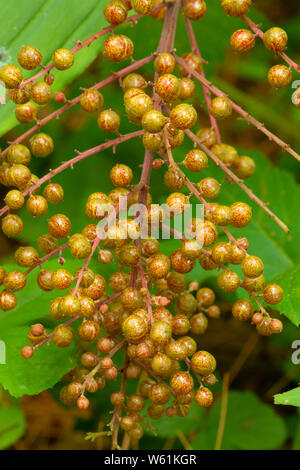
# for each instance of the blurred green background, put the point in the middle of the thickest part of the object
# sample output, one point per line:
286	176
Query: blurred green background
264	366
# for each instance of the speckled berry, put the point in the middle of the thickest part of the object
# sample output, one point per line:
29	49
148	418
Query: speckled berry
203	363
26	112
164	63
91	101
115	12
63	59
203	397
41	145
242	40
194	9
242	310
273	294
275	39
11	76
241	214
279	76
109	121
183	116
12	225
236	7
228	281
118	48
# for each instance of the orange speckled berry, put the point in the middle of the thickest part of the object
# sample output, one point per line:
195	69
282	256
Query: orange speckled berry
164	63
242	310
182	382
272	294
91	100
192	61
183	116
275	39
203	363
203	397
109	121
242	40
194	9
63	59
115	12
279	76
29	57
168	87
11	75
241	214
118	48
121	175
236	7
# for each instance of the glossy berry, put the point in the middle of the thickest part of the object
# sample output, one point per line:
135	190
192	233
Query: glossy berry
26	256
273	294
168	87
177	203
121	175
36	206
241	214
191	249
255	284
153	142
220	107
63	59
221	253
252	266
22	95
109	121
242	40
62	279
59	226
29	57
203	363
207	137
44	280
158	266
194	9
228	281
27	352
159	393
134	328
18	154
60	97
276	326
244	167
153	121
226	153
14	199
164	63
19	175
143	7
41	93
26	112
47	243
279	76
91	101
134	80
88	331
174	180
182	382
11	76
183	116
69	306
53	193
242	310
49	78
41	145
188	88
115	12
203	397
14	281
176	350
79	246
192	61
118	48
236	7
275	39
8	300
198	323
205	296
63	336
160	333
209	188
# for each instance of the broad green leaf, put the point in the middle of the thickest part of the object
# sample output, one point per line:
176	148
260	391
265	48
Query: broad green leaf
49	25
288	398
250	425
12	425
290	305
21	376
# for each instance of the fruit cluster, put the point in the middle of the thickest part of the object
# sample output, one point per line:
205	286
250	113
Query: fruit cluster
147	307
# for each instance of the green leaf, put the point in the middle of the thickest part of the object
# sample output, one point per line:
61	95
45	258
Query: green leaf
290	306
291	397
250	425
12	425
21	376
48	26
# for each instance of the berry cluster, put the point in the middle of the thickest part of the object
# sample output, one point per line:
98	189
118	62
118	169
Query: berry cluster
147	307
